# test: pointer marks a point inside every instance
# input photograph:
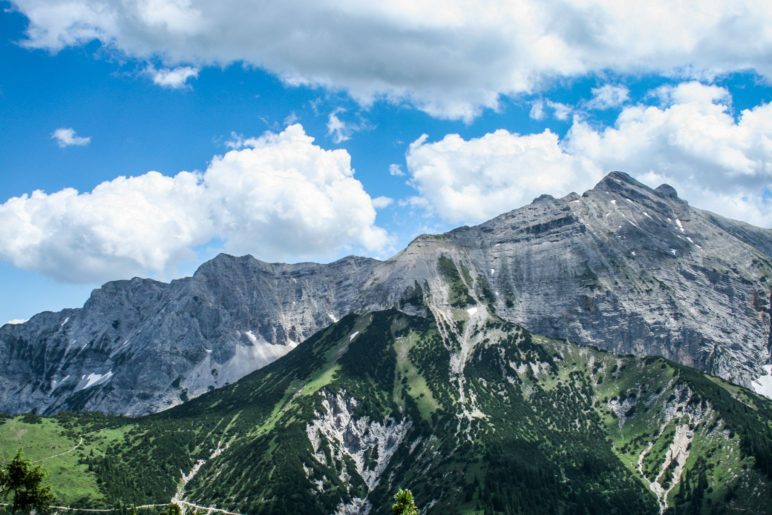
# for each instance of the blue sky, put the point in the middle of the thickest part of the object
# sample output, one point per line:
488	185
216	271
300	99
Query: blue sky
687	114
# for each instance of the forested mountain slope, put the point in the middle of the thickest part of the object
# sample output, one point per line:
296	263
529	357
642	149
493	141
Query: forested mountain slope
472	413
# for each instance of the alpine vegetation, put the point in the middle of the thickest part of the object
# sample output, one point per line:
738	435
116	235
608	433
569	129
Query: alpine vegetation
474	414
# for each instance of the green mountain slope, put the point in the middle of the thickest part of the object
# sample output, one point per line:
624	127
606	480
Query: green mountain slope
473	414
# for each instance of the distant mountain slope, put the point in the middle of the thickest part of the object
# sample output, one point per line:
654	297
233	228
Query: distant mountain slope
475	415
623	267
140	346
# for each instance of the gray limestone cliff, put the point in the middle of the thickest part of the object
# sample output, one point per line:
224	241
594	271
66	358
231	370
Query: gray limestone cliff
622	267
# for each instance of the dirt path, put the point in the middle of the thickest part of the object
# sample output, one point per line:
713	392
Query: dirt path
68	451
179	497
57	509
103	510
182	504
207	509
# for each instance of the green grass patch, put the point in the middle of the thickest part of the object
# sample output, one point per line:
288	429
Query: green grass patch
458	290
47	444
409	379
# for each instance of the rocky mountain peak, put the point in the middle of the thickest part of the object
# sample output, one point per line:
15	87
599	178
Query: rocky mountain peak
223	262
616	181
622	184
543	198
667	191
571	197
623	267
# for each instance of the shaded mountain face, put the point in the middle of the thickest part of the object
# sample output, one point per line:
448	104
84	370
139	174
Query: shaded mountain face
623	267
473	414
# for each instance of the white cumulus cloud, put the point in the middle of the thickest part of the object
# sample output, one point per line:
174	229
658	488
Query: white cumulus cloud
172	78
692	92
432	54
540	109
608	96
382	202
340	129
282	197
395	170
67	137
692	141
278	196
537	110
468	181
337	129
122	227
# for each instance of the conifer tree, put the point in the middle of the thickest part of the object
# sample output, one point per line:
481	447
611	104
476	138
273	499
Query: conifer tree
26	482
404	503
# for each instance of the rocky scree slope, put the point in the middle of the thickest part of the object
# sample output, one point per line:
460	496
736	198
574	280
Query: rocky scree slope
472	413
622	267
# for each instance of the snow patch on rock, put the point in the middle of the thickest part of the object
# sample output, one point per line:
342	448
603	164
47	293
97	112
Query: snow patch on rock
94	379
55	384
247	358
763	384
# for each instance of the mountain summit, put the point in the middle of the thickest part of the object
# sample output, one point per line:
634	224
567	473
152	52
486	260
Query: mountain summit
622	267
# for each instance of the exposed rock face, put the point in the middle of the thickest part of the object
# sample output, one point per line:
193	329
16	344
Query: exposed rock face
356	439
140	346
634	270
623	267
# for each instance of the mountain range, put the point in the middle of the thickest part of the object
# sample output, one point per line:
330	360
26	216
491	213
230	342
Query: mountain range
589	354
622	267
